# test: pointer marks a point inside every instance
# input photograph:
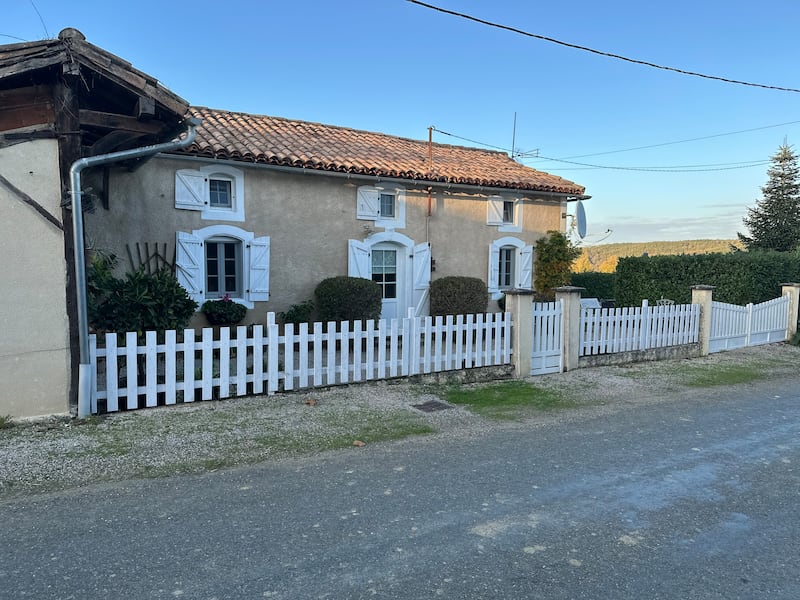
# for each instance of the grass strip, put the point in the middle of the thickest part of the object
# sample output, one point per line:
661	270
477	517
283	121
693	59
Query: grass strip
507	401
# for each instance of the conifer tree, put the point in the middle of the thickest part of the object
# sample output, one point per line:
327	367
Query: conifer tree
774	222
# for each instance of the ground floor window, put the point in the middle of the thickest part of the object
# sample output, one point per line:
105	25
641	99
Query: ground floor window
223	268
222	260
506	267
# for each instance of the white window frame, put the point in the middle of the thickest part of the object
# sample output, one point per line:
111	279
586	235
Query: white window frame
190	263
368	205
192	192
523	266
495	212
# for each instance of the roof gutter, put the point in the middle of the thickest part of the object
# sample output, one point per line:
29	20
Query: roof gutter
424	183
85	374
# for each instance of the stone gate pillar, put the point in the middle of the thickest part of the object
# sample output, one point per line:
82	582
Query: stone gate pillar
571	296
702	295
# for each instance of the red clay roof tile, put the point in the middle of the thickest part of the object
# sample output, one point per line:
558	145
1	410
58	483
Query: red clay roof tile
279	141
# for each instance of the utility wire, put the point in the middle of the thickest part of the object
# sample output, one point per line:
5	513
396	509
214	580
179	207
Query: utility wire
697	139
672	169
600	52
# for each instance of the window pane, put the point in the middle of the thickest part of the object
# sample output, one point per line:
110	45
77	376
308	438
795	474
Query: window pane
508	211
506	267
384	271
220	193
223	268
387	206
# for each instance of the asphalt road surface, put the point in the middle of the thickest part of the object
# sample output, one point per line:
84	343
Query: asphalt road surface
680	500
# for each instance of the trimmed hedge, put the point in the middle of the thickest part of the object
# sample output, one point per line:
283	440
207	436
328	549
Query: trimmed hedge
598	285
739	277
347	299
457	295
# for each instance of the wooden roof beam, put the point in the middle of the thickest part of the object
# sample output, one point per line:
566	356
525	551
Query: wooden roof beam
93	118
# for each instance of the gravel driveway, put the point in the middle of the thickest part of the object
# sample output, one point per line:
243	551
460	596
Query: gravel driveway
58	454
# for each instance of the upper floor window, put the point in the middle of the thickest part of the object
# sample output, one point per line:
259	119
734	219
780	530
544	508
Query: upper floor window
505	213
385	204
217	191
220	193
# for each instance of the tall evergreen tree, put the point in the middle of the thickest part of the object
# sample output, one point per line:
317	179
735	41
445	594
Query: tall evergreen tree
774	222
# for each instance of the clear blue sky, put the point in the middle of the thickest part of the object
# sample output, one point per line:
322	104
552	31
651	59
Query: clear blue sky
395	67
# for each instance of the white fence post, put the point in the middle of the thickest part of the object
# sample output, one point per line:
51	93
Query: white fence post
703	295
571	297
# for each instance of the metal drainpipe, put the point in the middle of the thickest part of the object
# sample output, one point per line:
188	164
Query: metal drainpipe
84	369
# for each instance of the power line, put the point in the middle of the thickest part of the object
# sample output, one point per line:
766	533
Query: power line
600	52
697	139
671	169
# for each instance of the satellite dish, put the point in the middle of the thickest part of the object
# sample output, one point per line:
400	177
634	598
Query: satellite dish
580	218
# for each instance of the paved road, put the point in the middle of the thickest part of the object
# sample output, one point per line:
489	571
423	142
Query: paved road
681	499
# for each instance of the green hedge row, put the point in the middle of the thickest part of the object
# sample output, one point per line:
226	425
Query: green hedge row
738	277
598	285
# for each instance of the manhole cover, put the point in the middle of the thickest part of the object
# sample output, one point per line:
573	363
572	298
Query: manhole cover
431	406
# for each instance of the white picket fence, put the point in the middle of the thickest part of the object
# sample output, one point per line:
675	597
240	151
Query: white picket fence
734	326
625	329
261	359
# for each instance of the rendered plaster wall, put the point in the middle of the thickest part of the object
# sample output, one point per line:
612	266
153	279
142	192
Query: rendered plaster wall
309	219
34	338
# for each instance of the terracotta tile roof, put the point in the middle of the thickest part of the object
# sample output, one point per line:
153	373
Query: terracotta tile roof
279	141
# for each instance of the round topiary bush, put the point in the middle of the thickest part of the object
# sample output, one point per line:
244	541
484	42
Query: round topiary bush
347	299
458	296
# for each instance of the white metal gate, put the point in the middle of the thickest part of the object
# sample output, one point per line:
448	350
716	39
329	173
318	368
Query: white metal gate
547	355
734	326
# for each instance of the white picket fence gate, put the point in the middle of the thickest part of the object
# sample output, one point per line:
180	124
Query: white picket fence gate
734	326
547	355
260	359
625	329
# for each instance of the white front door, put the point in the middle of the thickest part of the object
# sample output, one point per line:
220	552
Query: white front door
388	271
400	267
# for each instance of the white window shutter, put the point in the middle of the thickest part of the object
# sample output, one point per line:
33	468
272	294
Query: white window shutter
525	268
189	264
494	210
359	263
421	265
368	203
191	190
258	270
494	268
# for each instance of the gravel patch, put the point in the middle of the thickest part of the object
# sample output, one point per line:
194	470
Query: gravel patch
58	453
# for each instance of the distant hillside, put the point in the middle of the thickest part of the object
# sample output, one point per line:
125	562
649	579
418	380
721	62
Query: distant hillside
603	258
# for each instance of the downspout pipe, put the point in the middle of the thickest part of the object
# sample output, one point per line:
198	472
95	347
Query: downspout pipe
84	368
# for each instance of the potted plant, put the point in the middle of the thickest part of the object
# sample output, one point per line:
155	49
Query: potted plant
224	311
